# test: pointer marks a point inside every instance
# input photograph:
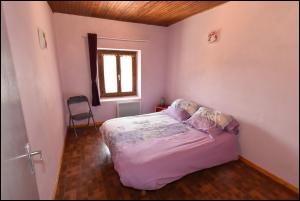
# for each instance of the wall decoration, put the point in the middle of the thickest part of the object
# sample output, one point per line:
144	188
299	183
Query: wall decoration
213	36
42	38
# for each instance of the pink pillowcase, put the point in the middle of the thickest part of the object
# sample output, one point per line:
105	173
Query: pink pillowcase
210	127
233	127
205	125
177	113
201	123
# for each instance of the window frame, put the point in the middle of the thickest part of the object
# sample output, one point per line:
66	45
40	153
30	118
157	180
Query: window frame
117	53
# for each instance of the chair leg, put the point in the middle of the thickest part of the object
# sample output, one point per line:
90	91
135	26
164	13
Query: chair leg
69	121
74	128
89	121
94	123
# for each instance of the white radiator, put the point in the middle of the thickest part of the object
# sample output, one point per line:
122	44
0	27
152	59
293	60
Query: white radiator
128	108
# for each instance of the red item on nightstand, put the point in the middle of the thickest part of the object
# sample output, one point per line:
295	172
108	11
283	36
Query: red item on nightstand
161	107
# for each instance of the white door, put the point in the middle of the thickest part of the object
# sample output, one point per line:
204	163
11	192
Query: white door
17	171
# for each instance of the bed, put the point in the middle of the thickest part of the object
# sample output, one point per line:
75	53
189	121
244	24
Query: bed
152	150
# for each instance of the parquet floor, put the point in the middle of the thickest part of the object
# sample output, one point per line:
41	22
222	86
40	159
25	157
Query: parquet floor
87	173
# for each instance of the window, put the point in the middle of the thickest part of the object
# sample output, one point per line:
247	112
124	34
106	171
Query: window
117	73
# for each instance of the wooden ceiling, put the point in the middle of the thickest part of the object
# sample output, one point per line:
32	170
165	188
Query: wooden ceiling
163	13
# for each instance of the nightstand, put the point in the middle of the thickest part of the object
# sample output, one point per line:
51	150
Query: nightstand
161	107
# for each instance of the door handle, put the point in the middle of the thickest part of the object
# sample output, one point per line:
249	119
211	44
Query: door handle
29	155
37	153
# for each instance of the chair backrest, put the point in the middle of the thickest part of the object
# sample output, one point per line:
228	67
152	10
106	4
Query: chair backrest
77	99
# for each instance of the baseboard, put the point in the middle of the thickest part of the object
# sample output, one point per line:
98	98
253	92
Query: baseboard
270	175
60	164
98	123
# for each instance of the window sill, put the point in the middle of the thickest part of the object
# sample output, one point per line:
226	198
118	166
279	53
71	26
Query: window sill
120	99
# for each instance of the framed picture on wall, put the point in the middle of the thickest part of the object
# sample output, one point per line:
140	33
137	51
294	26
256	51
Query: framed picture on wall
42	39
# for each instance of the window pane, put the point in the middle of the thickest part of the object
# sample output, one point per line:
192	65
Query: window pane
126	73
110	73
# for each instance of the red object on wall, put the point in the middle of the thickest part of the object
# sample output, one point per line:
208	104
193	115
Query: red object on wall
161	107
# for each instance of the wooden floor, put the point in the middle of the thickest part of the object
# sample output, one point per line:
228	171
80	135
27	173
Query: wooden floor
87	173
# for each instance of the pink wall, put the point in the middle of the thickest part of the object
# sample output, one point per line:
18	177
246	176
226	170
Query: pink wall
39	85
251	73
74	58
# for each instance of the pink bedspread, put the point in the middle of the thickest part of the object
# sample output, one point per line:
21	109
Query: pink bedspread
151	164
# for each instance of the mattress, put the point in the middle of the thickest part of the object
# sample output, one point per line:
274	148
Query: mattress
152	150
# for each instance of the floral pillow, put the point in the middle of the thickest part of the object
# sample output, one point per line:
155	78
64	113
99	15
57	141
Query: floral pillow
217	117
213	122
204	124
189	106
177	113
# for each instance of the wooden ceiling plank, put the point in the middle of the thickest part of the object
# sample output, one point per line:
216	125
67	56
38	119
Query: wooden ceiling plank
162	13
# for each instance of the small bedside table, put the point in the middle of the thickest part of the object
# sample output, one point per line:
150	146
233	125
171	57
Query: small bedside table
161	107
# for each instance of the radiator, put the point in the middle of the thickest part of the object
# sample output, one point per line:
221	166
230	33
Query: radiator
128	108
